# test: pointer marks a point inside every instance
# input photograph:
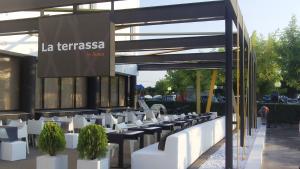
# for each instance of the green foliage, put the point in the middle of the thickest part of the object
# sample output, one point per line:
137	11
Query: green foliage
92	142
277	56
268	68
161	87
179	80
289	51
282	113
52	139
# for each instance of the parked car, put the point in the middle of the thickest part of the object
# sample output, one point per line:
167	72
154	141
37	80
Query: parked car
157	98
266	98
169	98
292	101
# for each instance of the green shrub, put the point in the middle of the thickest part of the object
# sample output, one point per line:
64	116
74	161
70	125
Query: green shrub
282	113
52	139
92	142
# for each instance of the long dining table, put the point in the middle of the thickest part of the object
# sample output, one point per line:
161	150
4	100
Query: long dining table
120	137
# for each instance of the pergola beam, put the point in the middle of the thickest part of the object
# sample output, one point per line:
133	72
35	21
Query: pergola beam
172	58
18	26
26	5
210	57
186	66
172	43
193	12
213	10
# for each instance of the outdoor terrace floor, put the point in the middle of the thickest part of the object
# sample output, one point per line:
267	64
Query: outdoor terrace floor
282	148
30	162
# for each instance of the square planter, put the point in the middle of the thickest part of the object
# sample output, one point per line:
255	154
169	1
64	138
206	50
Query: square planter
52	162
12	151
103	163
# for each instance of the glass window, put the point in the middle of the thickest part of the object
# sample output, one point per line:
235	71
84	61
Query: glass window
51	93
104	91
9	83
122	91
114	91
67	96
98	101
81	92
38	92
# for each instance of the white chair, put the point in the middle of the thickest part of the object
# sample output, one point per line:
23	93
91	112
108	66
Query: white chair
182	116
22	130
35	128
80	122
63	118
68	120
110	120
150	115
46	118
0	122
132	117
164	118
174	117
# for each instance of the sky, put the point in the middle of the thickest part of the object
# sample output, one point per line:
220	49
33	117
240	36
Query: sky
263	16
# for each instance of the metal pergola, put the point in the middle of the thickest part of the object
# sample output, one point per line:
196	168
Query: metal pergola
226	10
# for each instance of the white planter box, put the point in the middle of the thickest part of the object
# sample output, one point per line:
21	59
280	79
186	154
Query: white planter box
52	162
71	140
103	163
12	151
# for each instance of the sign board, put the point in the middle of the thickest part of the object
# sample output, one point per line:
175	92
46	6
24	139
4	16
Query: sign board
76	45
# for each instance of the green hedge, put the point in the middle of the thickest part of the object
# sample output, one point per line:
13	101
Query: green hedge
279	113
283	113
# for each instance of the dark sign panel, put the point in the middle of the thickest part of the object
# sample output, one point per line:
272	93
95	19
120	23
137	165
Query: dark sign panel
76	45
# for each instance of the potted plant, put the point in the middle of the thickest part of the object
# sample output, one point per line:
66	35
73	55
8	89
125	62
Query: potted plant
92	148
51	141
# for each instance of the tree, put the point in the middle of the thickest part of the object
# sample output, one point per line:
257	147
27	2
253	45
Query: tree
289	51
161	87
180	80
268	69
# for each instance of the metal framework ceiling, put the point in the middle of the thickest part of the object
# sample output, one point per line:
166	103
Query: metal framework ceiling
193	12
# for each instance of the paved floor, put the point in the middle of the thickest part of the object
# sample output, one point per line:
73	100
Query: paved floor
282	148
30	162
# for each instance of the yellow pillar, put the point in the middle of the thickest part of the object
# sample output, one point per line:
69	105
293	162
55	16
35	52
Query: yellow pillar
211	90
198	96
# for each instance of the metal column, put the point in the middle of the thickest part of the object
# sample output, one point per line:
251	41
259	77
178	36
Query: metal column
27	84
242	88
198	90
250	118
229	85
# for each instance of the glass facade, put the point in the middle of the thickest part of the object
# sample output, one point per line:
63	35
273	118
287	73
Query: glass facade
58	93
122	91
81	92
104	91
9	83
114	93
51	93
67	93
